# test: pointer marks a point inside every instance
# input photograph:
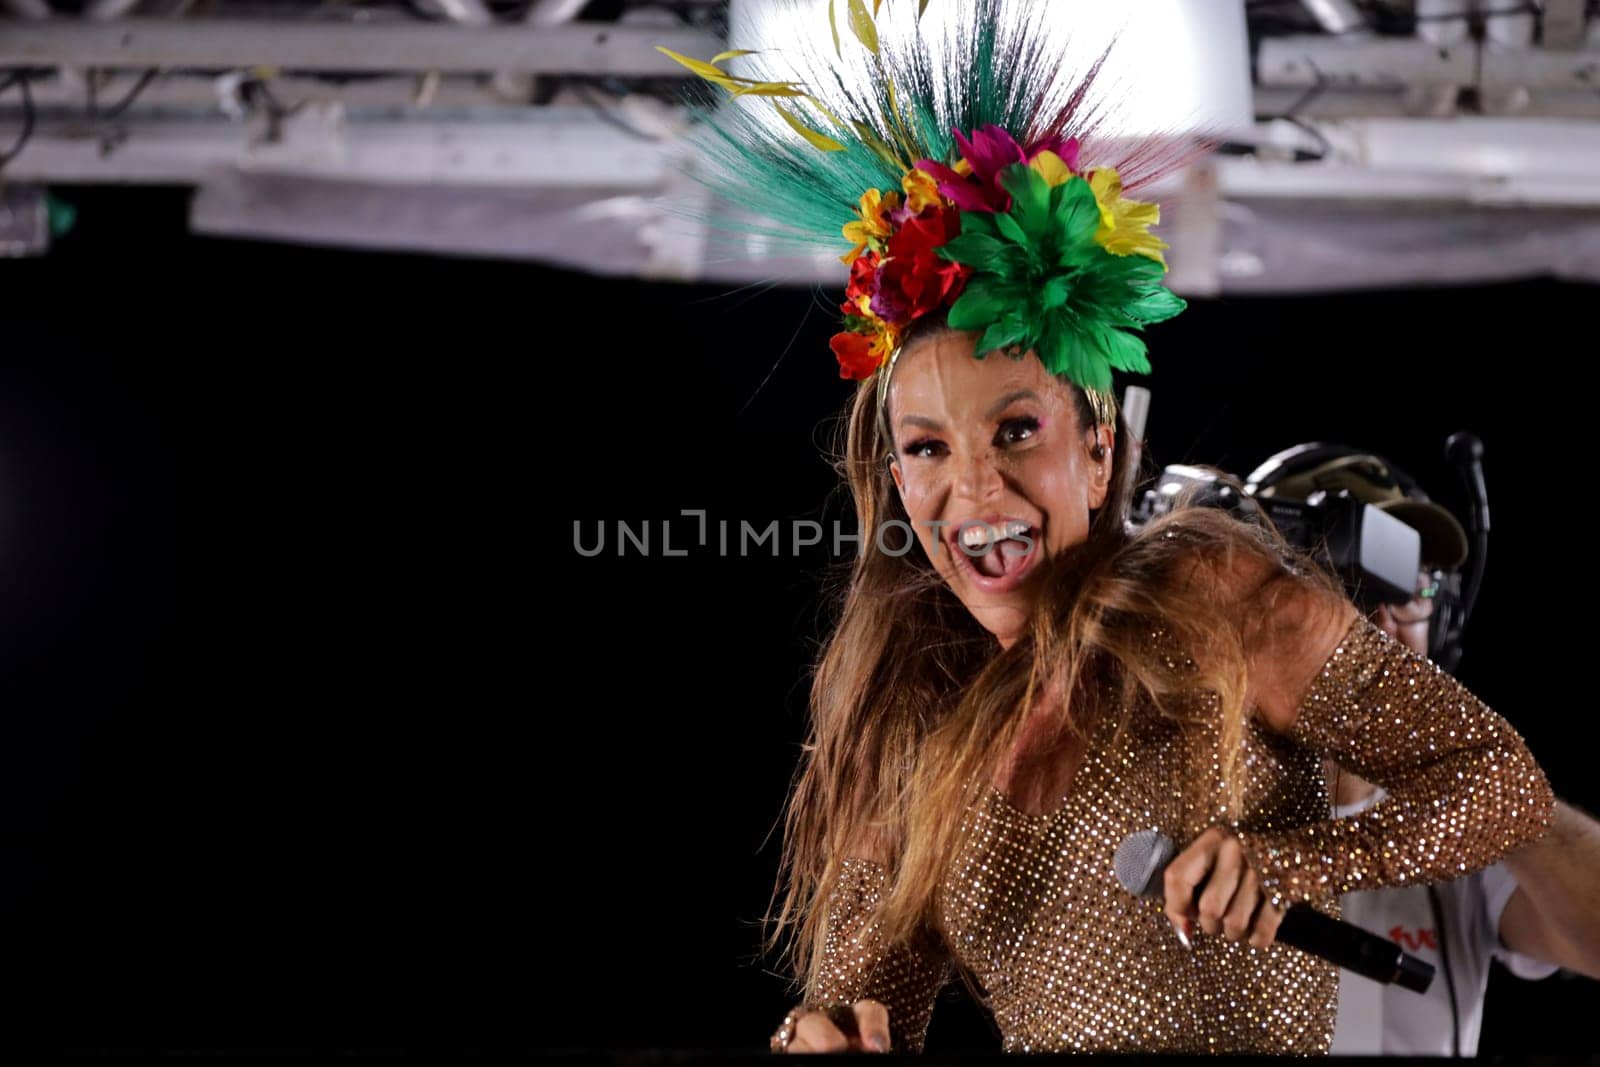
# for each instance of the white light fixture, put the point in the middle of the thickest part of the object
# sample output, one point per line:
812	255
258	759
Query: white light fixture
1179	66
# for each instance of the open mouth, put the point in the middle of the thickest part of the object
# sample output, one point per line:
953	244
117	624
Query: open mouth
996	553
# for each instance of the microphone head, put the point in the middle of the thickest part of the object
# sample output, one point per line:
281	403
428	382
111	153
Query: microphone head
1141	860
1463	447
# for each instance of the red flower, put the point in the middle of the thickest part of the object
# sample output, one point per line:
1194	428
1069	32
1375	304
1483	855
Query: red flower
855	354
863	280
914	279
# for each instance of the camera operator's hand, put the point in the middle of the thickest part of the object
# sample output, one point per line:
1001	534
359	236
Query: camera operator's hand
1407	623
859	1027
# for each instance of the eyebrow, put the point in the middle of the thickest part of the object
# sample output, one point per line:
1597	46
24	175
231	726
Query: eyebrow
920	420
1007	400
992	414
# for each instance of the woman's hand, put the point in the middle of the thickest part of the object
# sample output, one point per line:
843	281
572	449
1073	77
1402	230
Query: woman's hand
860	1027
1210	883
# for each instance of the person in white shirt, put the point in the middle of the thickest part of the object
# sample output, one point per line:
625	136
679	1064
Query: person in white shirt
1537	911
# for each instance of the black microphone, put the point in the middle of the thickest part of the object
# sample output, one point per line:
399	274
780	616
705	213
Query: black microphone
1465	451
1142	860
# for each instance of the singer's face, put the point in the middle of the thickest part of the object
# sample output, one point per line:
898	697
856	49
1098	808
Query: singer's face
994	469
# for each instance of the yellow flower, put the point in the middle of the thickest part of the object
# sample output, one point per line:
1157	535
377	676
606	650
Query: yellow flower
1125	224
871	222
1053	169
883	346
885	336
884	343
922	191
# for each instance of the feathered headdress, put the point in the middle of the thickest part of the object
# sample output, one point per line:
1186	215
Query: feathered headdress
966	183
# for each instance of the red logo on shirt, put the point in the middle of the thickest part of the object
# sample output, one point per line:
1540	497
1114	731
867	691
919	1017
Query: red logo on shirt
1422	938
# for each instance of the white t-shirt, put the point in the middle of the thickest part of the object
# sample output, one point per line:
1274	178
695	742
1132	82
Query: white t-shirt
1390	1020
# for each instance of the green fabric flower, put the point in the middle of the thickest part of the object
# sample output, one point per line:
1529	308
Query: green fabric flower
1044	283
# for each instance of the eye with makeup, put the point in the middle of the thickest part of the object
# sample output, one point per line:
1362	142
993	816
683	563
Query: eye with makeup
1017	430
1012	432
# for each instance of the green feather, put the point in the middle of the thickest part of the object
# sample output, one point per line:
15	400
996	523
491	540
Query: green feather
1077	215
1156	305
985	301
1041	280
979	222
1012	230
1011	329
1054	293
993	254
1030	197
999	70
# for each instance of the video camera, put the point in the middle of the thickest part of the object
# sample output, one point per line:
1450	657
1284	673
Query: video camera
1377	555
1366	520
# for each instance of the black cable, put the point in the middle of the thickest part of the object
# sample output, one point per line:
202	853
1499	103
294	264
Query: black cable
1324	149
1444	963
1316	89
257	93
20	78
127	101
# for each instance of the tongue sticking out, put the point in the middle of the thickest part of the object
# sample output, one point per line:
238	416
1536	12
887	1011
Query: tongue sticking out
1003	558
991	564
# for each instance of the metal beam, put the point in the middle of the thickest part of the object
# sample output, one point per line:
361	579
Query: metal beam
407	94
1403	103
1542	162
201	94
549	148
574	48
1577	70
1248	179
1364	63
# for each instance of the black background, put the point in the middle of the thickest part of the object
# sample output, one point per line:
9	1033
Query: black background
318	731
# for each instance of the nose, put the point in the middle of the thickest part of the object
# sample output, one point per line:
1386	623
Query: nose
978	477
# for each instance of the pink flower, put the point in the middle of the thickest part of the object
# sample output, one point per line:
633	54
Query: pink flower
987	154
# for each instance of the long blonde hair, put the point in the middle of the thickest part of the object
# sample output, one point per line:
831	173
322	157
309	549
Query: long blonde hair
914	706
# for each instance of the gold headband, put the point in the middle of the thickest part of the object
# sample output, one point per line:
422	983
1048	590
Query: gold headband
883	396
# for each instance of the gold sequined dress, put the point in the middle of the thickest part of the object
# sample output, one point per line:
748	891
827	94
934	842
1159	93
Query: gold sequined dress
1068	960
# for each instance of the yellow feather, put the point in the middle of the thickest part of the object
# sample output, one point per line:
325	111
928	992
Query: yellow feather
768	89
817	140
861	24
700	67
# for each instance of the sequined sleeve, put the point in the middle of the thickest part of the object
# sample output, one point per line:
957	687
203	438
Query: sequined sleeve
855	965
1463	787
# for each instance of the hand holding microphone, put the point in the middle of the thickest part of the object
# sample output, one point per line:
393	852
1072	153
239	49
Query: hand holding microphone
859	1027
1211	882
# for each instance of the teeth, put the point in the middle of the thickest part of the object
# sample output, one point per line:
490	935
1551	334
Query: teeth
980	534
976	535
